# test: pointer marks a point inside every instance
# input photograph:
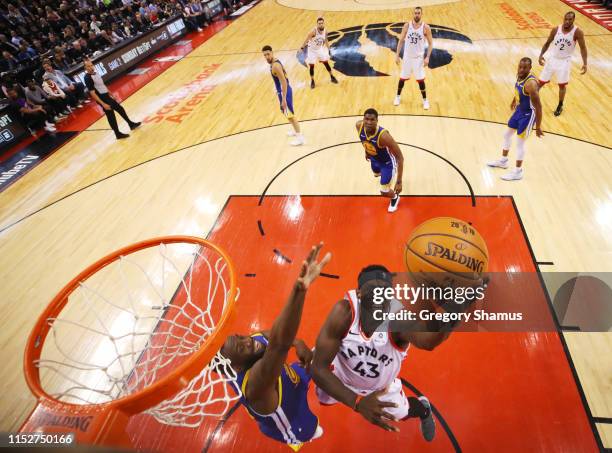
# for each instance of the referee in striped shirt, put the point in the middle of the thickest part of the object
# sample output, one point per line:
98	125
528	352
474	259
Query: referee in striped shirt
99	92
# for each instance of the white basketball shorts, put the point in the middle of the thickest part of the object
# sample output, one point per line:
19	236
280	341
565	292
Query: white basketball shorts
557	67
317	54
412	67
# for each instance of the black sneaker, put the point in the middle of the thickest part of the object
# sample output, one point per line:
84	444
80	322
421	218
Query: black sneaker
393	204
135	125
559	110
428	424
121	135
334	80
312	85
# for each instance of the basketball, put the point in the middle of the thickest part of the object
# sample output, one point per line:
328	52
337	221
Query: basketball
445	251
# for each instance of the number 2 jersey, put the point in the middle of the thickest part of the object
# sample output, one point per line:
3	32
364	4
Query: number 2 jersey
367	364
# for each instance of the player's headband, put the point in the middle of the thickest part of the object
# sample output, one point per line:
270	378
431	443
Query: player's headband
375	275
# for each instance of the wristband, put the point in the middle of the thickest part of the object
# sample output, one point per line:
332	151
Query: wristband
359	398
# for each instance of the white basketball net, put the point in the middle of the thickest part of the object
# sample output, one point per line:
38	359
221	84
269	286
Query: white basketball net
134	321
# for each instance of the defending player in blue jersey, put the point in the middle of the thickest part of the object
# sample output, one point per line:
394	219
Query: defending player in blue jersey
274	393
284	93
527	112
383	153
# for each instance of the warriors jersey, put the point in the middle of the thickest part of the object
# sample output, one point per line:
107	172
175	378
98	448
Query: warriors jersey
318	40
414	45
372	146
524	100
363	363
277	82
292	422
564	43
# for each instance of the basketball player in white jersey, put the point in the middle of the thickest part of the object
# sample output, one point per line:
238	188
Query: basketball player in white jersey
318	50
357	359
413	37
563	38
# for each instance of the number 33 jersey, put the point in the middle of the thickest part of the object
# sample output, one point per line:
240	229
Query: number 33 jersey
363	363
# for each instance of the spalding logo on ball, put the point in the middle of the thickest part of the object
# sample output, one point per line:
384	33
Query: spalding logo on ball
445	251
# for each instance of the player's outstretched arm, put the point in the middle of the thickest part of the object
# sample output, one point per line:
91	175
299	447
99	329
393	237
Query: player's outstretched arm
308	38
400	43
551	37
261	386
429	37
579	35
533	90
386	140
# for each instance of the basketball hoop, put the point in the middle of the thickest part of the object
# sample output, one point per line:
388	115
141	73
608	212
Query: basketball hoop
137	331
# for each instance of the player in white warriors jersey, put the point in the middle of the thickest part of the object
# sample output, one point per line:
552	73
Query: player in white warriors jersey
412	40
357	357
318	50
563	39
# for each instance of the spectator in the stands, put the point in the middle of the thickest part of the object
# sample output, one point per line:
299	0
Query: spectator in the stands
118	33
34	116
54	19
25	53
83	31
106	37
95	24
59	59
5	44
140	23
38	47
190	18
94	42
8	62
35	95
56	94
53	41
9	83
69	33
68	85
76	51
14	15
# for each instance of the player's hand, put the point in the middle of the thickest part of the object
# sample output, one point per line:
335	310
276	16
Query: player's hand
426	62
367	157
539	132
583	70
541	60
106	106
304	353
373	411
513	104
311	269
397	60
284	106
398	187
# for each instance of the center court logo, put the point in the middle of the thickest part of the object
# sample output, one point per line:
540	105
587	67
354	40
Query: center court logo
347	53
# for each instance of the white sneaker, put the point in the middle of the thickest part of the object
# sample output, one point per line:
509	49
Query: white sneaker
50	129
397	100
501	163
299	140
513	175
291	133
49	124
393	204
425	104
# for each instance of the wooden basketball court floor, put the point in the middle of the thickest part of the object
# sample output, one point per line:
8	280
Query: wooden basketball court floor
213	142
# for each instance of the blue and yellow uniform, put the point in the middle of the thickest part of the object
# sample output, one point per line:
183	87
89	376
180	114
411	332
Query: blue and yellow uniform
292	422
524	116
279	90
381	160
